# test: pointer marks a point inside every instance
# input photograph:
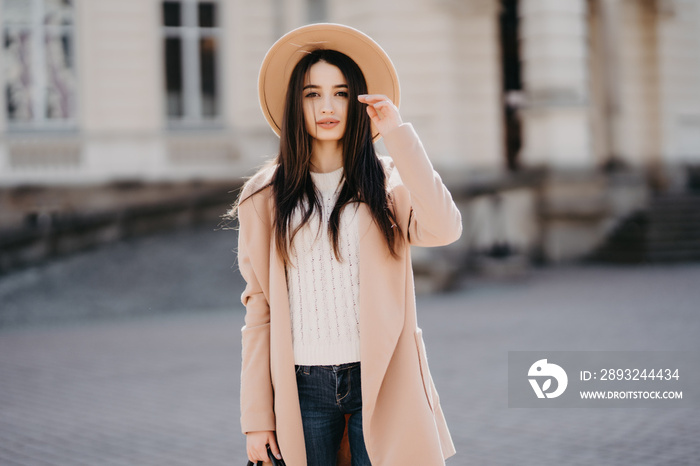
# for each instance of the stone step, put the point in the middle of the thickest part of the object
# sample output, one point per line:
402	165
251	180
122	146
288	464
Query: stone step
676	217
669	231
685	246
658	231
673	255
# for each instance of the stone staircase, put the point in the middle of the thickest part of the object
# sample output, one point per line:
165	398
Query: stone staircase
667	231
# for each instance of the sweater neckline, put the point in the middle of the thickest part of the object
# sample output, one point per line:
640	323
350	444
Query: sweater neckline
328	181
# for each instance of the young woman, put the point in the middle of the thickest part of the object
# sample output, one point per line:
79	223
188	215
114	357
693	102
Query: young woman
331	346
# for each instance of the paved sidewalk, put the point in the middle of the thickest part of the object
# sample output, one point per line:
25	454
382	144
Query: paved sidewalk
163	389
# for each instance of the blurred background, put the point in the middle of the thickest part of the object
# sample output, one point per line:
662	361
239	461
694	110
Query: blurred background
568	132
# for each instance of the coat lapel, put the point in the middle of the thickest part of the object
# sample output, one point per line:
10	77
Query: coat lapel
381	314
287	407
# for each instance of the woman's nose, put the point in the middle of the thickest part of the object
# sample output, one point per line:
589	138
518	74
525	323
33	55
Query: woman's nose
327	106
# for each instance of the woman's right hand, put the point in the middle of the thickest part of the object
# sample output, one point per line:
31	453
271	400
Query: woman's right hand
256	445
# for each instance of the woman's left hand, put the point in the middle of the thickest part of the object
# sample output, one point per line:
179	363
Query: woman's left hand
382	112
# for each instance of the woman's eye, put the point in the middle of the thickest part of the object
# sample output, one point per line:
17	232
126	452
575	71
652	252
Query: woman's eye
342	94
312	94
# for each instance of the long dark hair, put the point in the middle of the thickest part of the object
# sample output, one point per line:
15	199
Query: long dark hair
364	176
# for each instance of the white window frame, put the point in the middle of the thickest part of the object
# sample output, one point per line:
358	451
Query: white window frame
39	30
190	33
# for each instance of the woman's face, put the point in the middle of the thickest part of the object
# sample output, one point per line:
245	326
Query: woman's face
325	101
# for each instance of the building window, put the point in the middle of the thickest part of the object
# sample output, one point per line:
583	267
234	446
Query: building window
191	46
39	63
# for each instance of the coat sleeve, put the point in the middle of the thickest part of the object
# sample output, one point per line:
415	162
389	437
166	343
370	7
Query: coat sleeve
434	219
257	412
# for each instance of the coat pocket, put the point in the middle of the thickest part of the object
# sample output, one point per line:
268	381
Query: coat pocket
424	371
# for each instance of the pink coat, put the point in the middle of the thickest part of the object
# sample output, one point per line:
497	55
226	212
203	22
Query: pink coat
402	419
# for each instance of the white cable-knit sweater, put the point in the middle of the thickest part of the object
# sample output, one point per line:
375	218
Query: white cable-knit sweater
324	293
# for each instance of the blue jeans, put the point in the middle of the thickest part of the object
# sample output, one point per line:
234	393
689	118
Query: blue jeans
326	395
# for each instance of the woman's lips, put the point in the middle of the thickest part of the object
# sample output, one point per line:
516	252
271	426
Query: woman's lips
328	124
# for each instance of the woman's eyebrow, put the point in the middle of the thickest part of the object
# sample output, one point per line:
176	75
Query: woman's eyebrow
316	86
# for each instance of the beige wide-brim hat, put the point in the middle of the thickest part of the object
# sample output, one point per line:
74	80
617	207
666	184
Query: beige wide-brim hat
284	54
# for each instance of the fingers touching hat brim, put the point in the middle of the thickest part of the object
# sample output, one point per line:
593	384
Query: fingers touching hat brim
283	56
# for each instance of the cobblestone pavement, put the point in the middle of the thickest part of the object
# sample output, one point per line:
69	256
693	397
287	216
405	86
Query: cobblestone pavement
162	389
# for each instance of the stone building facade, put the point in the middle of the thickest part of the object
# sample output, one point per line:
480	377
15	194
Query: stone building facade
103	91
